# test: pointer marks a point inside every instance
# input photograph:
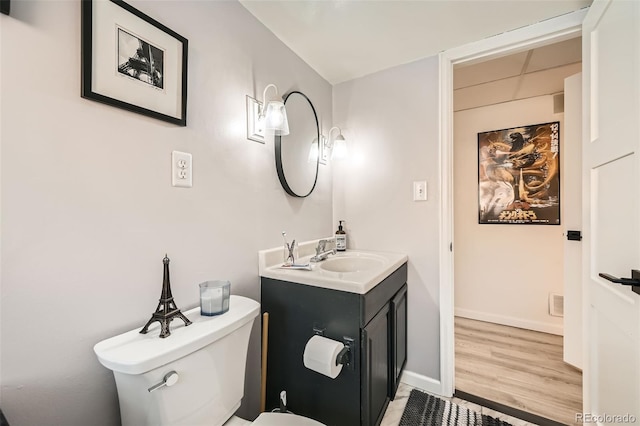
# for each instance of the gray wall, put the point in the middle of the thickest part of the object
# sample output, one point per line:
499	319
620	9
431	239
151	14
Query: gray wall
390	120
88	210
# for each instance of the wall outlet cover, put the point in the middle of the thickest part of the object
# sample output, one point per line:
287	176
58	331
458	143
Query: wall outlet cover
181	169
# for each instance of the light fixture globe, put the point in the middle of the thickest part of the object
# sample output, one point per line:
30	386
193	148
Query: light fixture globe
338	145
276	118
314	151
272	113
340	149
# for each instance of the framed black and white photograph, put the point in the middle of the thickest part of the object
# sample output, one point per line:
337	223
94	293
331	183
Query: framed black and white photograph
131	61
5	6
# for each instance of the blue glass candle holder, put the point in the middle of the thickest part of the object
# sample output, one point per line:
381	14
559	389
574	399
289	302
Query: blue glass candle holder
214	297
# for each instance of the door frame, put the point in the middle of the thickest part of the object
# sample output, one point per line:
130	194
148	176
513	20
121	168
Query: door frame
546	32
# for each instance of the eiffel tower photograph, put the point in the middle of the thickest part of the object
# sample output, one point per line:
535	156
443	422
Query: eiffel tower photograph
140	60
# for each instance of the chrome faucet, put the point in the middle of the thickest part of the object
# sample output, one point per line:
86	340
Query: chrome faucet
321	252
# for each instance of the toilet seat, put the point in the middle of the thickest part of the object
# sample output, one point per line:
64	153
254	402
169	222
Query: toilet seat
281	419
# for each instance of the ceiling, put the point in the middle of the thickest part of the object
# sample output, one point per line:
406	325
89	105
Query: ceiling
534	72
346	39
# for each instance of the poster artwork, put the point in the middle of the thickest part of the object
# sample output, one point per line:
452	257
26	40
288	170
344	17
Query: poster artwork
519	175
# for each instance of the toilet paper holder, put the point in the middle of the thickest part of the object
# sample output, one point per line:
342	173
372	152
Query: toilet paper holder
344	357
318	330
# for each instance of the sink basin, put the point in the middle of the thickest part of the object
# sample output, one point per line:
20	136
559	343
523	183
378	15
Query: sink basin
354	271
351	263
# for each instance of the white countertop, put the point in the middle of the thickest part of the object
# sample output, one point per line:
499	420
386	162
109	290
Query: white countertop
359	281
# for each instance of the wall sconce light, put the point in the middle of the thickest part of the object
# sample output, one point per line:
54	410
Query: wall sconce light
314	151
338	146
268	115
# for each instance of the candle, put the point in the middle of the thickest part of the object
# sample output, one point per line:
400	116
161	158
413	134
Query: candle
214	297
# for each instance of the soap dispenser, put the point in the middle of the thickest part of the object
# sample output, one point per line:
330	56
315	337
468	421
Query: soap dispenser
341	238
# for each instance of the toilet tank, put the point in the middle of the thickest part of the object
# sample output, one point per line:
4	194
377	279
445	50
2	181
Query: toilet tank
209	357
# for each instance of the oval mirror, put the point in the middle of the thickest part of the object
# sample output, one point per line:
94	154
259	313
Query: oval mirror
297	170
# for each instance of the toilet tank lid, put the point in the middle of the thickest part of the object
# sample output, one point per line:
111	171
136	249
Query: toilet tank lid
135	353
281	419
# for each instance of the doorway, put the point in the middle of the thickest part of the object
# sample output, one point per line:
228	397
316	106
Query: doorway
509	274
552	31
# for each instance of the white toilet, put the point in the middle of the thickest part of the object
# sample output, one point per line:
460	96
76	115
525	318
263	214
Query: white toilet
193	377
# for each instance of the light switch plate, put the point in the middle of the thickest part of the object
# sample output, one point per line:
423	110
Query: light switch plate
181	169
420	190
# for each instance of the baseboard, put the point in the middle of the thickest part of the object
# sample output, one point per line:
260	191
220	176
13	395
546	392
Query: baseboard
510	321
421	382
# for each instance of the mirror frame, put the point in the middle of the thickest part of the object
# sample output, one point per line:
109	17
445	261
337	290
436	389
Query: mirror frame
278	148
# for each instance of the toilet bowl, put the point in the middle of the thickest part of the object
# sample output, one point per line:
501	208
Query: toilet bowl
193	377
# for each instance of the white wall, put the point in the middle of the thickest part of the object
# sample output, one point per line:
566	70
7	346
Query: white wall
88	210
503	273
390	120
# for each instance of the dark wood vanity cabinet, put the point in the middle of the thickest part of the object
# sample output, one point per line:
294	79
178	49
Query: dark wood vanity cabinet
376	323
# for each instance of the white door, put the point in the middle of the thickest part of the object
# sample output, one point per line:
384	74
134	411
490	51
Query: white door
572	219
611	158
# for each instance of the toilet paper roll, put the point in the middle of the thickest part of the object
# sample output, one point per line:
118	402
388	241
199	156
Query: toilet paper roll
320	355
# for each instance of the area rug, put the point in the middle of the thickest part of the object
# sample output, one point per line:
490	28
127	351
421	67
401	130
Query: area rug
427	410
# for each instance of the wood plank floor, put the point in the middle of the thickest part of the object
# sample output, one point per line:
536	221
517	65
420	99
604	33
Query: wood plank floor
519	368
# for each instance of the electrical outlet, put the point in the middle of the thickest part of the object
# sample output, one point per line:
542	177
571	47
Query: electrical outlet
420	190
181	169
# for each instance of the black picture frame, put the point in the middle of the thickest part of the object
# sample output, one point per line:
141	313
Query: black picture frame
131	61
519	175
5	6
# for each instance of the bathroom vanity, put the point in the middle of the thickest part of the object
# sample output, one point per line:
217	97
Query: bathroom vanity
358	298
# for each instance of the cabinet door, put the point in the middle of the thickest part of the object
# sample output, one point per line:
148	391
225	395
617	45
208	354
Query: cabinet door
398	338
375	368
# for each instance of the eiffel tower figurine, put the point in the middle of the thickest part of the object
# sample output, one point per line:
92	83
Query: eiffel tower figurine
167	309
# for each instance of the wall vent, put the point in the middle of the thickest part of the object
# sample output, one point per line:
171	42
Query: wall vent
556	305
558	103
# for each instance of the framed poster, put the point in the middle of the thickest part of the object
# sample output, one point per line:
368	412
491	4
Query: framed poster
133	62
519	175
